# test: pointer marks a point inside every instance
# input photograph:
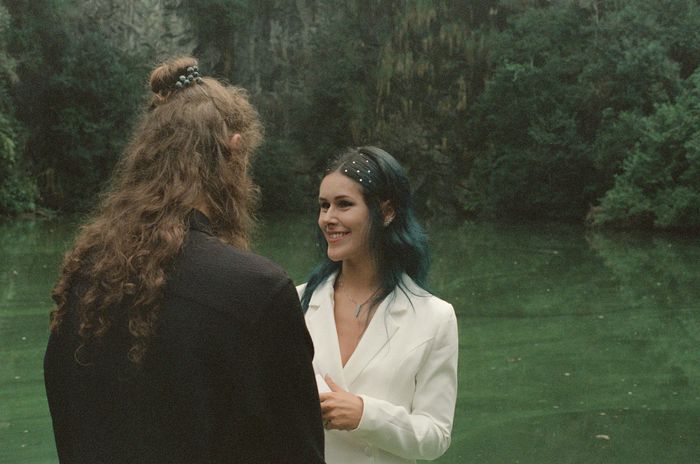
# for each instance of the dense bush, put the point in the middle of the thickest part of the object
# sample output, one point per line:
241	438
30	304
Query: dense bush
561	112
18	192
660	180
77	95
533	155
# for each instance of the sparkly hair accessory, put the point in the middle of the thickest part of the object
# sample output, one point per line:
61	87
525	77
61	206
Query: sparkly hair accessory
192	77
358	168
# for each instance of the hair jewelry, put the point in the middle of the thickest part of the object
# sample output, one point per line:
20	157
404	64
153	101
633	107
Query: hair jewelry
191	77
362	169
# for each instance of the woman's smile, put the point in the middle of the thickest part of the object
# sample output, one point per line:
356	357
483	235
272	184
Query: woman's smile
334	237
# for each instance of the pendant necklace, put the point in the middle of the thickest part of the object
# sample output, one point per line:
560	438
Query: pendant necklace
358	306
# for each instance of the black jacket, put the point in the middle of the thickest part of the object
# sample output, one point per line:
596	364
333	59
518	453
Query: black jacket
227	378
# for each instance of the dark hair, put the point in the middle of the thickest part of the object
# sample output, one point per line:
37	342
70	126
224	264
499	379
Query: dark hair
401	246
179	156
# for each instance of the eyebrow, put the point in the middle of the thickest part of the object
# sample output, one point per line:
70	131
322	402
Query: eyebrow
339	197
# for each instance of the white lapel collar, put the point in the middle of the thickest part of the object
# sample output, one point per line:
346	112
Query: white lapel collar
384	324
320	322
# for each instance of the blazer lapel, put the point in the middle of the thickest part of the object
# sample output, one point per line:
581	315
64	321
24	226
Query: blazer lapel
320	323
384	324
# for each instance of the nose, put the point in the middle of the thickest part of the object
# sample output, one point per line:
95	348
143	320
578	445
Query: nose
327	217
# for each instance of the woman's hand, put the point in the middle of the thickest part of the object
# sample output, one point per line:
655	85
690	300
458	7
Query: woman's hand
341	409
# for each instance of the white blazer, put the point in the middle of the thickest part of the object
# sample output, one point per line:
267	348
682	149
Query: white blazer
405	370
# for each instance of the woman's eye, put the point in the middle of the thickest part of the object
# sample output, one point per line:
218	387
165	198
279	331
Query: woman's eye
323	205
344	204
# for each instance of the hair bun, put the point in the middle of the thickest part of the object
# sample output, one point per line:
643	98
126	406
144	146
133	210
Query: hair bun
166	74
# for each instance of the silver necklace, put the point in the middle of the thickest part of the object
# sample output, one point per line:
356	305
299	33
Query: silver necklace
358	306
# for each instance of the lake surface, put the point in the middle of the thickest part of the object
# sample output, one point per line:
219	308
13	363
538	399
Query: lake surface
575	346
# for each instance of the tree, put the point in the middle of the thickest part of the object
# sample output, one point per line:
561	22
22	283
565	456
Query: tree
431	69
76	97
561	111
18	191
660	181
533	160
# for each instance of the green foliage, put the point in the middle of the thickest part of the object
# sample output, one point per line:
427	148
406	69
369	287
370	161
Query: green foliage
18	192
285	182
340	90
660	181
93	116
76	97
218	19
431	69
533	158
560	115
219	24
498	108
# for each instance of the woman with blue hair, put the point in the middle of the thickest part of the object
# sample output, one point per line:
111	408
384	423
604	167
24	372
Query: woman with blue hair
386	349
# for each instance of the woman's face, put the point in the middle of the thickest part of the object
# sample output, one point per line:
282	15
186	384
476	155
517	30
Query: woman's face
344	219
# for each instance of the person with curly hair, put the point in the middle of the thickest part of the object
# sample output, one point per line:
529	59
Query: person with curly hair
170	343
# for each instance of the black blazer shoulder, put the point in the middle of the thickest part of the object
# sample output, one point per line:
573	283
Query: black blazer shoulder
223	278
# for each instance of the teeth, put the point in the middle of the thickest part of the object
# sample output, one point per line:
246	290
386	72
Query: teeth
336	234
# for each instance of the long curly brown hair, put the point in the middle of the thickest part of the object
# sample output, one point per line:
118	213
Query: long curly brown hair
180	157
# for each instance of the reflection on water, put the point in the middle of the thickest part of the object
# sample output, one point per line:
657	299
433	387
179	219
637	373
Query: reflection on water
30	253
575	347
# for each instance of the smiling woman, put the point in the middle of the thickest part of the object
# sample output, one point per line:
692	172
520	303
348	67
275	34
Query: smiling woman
386	347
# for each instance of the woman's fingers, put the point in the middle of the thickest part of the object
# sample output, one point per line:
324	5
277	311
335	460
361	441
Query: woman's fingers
331	384
340	410
327	406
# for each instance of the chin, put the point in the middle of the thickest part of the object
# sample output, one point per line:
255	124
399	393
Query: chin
334	254
335	258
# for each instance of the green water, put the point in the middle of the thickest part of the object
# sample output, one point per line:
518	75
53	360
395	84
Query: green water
575	347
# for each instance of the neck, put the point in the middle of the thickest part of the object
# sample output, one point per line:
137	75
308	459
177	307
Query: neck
358	284
359	277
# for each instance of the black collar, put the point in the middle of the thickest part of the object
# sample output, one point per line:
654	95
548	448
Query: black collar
197	220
